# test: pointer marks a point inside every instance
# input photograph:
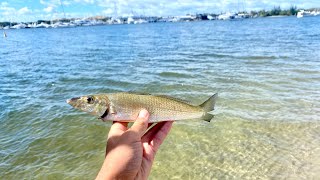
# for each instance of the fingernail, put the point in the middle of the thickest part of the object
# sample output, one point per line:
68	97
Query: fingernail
143	113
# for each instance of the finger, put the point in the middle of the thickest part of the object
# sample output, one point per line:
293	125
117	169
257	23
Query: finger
117	128
147	137
122	126
141	123
158	135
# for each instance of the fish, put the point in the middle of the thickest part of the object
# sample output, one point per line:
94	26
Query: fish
125	107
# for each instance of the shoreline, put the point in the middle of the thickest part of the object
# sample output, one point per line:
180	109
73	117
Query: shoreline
103	20
68	23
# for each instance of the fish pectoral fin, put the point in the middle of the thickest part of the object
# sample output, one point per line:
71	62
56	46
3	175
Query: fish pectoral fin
112	110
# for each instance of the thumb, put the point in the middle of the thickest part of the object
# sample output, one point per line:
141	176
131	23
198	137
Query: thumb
141	123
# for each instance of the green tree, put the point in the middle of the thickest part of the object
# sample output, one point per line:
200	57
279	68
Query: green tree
275	11
293	10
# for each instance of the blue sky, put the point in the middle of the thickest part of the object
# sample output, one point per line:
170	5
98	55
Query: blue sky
31	10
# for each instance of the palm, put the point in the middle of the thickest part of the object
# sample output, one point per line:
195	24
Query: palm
130	151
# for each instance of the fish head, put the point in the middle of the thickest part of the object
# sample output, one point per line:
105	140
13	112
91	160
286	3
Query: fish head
94	104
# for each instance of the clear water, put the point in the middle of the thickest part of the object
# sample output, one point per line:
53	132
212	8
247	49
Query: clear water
267	73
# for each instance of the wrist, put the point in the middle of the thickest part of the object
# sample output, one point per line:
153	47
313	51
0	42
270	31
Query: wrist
105	173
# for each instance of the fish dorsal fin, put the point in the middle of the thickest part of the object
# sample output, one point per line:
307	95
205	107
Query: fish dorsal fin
137	93
174	98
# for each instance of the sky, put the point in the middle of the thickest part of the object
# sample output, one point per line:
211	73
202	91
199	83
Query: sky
32	10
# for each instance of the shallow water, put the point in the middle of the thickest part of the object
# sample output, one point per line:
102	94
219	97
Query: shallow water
267	73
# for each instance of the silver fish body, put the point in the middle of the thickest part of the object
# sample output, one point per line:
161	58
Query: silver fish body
126	107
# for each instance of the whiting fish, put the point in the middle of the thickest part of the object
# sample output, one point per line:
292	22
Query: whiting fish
126	107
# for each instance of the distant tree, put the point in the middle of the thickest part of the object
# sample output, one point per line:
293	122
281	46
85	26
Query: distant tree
275	11
314	9
43	21
4	24
284	13
254	13
264	13
293	10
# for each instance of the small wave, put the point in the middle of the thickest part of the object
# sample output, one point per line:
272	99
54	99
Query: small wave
212	55
263	57
175	75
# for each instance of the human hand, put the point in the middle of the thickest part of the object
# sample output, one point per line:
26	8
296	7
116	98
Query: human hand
130	151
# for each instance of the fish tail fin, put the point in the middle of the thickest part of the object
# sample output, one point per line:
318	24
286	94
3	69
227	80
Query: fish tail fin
208	106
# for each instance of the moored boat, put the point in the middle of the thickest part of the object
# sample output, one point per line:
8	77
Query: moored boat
303	13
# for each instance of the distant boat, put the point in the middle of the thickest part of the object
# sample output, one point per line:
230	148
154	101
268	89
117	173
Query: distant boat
4	34
241	16
209	17
139	21
31	25
114	21
303	13
42	25
226	16
187	18
130	20
19	26
60	25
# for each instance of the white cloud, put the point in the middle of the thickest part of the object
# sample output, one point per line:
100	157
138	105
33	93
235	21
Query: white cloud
89	1
43	2
164	7
6	11
55	3
85	1
4	4
48	9
24	10
12	14
108	11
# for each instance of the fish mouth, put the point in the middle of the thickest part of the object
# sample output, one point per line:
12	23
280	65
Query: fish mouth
68	101
72	100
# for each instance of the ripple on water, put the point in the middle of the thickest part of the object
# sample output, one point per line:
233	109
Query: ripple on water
174	75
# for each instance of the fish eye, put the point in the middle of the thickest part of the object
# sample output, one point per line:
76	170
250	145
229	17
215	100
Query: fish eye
90	100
